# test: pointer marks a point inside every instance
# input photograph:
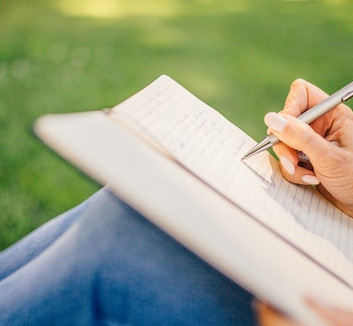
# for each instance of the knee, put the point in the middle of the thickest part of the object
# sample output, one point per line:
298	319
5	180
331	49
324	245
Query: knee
108	223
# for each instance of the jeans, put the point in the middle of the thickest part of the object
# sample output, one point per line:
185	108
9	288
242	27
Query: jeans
102	263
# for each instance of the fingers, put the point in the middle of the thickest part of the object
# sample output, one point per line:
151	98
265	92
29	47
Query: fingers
288	158
267	316
302	95
297	135
336	316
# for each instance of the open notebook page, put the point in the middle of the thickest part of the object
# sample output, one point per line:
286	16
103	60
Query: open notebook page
210	147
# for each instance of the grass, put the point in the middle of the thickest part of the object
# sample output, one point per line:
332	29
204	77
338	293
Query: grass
63	56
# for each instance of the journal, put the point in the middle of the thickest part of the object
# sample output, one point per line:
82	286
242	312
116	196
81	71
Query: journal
178	161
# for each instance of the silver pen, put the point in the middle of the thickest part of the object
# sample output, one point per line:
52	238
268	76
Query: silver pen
343	95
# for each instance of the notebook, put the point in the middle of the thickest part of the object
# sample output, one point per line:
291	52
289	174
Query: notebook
178	162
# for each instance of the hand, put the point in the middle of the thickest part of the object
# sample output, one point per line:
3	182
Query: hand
327	141
334	316
268	316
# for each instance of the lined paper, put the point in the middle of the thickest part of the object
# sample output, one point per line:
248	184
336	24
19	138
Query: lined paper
209	146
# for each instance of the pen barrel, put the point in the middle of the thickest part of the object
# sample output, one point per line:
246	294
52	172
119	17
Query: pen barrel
319	109
332	101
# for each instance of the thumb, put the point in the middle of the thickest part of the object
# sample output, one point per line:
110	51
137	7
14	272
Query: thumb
297	134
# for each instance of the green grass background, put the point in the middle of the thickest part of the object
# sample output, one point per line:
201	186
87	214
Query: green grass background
74	55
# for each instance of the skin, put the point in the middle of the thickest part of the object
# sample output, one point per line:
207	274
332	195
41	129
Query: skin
328	143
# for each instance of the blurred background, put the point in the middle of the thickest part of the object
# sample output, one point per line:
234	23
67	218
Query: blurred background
239	56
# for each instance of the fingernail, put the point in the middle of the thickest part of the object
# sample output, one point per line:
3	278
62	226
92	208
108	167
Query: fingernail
310	179
275	121
287	164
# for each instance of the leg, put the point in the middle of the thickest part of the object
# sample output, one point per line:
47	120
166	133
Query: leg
35	243
114	267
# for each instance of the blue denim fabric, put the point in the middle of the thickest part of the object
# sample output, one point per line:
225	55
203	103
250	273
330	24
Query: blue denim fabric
102	263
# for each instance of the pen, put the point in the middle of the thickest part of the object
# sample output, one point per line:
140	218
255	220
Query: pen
342	95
